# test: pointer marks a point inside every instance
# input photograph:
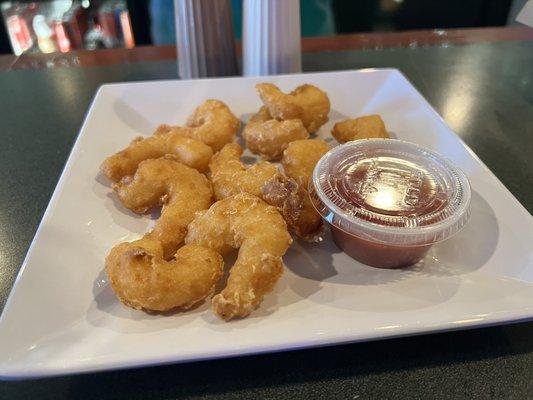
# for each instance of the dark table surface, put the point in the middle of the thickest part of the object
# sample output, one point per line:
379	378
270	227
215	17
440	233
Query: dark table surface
484	92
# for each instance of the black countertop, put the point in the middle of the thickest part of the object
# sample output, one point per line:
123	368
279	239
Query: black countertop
483	91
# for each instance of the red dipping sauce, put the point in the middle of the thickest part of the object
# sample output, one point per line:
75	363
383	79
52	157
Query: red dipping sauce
388	201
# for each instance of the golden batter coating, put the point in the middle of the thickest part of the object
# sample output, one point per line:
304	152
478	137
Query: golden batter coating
142	278
366	127
269	138
182	191
230	176
259	232
143	273
300	158
292	200
262	115
307	103
212	123
190	152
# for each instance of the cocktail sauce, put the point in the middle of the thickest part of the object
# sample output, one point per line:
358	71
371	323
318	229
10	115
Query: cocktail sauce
389	201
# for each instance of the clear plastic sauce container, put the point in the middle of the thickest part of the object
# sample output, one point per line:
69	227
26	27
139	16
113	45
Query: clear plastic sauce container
388	201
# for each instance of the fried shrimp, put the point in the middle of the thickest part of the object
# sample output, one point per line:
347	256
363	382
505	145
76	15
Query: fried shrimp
262	115
307	103
143	279
300	158
366	127
292	200
190	152
269	138
149	273
212	123
260	233
289	193
230	176
182	191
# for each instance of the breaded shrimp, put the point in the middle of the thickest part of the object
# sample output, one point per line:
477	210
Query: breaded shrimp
230	176
269	138
262	115
182	191
259	232
212	123
366	127
300	158
152	273
143	279
307	103
190	152
292	200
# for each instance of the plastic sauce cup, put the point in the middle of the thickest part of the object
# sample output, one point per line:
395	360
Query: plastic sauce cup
388	201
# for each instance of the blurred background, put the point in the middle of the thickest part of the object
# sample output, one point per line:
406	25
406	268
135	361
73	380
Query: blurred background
66	25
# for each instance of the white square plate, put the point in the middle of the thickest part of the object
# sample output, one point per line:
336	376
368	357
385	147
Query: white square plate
62	316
